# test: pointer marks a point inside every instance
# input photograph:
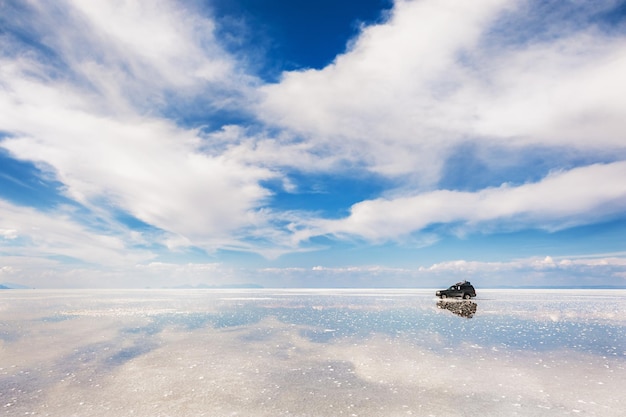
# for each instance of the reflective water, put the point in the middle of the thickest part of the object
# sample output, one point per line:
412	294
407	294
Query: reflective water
311	353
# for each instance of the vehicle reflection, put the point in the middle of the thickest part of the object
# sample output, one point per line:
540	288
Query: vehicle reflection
462	308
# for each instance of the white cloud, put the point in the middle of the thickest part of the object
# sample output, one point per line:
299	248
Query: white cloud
137	54
90	108
8	233
156	37
378	102
105	152
431	78
562	199
147	167
575	264
562	93
50	234
606	269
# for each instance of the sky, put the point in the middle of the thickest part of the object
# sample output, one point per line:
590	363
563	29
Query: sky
369	143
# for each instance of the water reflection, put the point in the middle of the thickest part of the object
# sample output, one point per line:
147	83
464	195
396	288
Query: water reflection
311	353
463	308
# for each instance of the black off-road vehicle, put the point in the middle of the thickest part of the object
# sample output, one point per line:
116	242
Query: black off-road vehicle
462	289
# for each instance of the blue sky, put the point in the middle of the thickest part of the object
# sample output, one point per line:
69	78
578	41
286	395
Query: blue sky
312	144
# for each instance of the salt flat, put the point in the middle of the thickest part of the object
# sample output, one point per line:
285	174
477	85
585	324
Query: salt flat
311	353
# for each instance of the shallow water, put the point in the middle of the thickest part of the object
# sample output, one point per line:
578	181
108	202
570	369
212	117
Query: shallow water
311	353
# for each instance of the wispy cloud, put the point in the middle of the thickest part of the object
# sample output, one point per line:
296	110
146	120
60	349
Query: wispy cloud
563	199
94	132
30	233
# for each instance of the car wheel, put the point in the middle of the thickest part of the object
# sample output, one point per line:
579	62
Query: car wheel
467	296
444	296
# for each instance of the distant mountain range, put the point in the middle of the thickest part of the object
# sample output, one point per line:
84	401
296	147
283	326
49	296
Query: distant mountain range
11	286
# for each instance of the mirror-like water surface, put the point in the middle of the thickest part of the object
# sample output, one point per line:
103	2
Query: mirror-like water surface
311	353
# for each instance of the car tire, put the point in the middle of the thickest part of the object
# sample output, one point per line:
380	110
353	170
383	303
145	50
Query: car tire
444	296
467	296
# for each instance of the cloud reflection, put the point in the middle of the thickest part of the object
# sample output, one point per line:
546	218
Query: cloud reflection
323	353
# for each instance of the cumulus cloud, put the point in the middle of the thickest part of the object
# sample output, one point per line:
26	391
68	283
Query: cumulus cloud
374	103
407	93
